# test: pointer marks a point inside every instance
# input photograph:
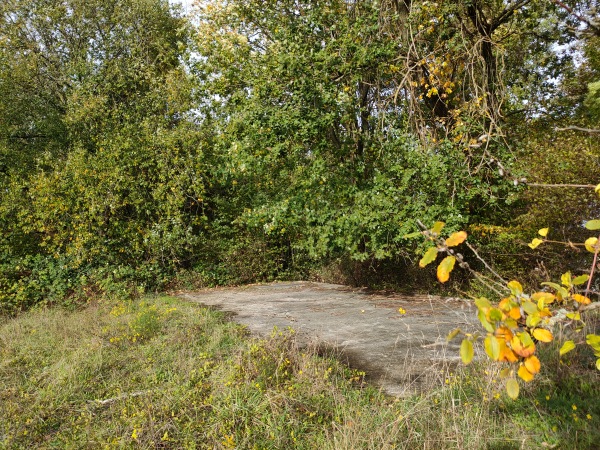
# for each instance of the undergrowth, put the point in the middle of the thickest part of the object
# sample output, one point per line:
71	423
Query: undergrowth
163	373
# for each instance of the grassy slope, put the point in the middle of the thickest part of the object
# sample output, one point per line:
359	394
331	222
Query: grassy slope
161	373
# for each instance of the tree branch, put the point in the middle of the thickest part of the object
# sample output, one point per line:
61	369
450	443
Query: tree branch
594	27
586	186
572	127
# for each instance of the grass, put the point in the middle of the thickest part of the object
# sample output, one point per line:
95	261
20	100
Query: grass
163	373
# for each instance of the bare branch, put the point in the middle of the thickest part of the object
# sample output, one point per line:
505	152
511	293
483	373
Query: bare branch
572	127
593	26
547	185
119	397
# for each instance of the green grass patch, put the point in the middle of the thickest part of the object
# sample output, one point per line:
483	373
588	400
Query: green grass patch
164	373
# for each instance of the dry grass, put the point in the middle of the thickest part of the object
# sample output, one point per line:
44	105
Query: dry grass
162	373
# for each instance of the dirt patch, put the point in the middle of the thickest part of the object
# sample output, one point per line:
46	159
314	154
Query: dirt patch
399	341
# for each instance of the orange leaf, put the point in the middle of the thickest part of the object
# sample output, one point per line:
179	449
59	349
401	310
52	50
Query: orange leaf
520	349
456	239
504	333
504	304
581	299
506	354
533	364
515	313
542	335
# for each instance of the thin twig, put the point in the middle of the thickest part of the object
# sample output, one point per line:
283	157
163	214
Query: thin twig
119	397
488	282
487	266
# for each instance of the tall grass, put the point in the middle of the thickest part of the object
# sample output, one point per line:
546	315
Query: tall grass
163	373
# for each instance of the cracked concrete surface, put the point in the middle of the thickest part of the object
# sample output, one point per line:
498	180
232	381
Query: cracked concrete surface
397	351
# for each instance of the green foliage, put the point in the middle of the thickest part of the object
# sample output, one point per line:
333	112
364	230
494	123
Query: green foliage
263	141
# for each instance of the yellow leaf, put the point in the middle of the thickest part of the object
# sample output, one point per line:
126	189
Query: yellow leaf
566	347
535	243
466	351
581	299
565	279
453	334
597	189
525	374
533	364
590	244
437	227
445	267
593	340
542	335
543	232
515	287
512	388
456	239
598	364
546	297
428	257
492	347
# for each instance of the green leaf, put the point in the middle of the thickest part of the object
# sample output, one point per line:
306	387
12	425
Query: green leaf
566	347
495	314
529	307
512	388
482	303
412	235
437	227
525	338
593	225
466	351
484	322
581	279
428	257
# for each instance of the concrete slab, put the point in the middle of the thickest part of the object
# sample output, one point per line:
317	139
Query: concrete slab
397	351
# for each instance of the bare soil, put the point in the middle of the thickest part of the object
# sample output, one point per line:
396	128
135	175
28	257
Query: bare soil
399	351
